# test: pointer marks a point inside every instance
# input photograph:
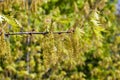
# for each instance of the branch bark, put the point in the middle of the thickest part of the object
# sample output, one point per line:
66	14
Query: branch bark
30	33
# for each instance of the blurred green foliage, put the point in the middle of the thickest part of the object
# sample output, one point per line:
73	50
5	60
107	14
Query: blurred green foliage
91	52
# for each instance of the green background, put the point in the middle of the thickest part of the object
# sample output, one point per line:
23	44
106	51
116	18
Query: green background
91	52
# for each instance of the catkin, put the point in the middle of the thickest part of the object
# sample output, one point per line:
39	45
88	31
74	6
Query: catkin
4	46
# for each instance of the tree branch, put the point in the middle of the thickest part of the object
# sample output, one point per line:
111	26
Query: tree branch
30	33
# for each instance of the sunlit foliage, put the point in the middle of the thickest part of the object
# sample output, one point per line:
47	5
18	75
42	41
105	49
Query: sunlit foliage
89	52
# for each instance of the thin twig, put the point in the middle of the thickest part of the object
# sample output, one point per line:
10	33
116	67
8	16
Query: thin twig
30	33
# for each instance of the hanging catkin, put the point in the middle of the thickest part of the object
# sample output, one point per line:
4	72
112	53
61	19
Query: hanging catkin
4	46
34	6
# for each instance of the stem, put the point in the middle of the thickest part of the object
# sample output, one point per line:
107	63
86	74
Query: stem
30	33
28	54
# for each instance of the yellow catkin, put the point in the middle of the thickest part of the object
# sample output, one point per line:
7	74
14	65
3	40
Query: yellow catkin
34	5
23	3
4	46
6	4
49	51
1	6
